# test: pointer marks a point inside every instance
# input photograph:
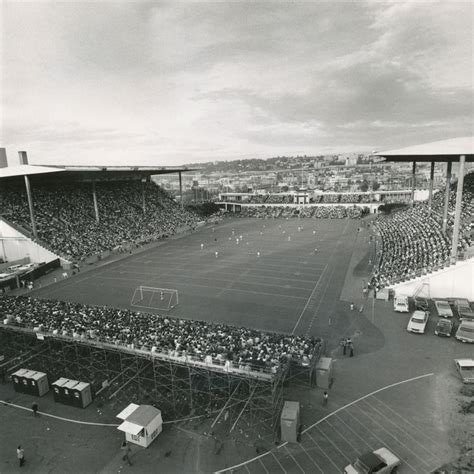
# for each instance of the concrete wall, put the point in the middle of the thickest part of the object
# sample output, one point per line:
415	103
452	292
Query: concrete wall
21	246
454	281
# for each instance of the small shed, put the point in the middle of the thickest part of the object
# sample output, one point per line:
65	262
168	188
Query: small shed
58	390
82	395
39	384
141	425
17	379
290	422
67	392
324	372
26	381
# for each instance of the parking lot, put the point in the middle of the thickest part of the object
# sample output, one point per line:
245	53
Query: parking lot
414	419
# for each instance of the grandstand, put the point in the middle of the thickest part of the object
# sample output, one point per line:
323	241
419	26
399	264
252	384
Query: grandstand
80	213
366	201
432	235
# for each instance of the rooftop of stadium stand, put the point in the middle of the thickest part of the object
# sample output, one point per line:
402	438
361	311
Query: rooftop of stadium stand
89	172
442	151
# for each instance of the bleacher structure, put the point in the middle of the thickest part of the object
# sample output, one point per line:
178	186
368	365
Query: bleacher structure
248	400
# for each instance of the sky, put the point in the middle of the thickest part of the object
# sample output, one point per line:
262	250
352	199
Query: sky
104	82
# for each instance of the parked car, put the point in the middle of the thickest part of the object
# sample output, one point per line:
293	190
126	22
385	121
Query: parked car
380	461
400	304
465	332
465	367
418	322
421	304
443	308
464	309
444	328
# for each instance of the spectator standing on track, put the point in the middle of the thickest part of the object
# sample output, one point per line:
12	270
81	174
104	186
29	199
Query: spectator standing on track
325	398
127	451
348	345
20	455
351	350
344	346
34	408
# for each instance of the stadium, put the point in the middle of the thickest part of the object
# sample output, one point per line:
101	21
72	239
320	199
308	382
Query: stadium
216	320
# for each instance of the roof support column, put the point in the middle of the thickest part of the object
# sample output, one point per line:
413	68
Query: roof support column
180	188
446	196
96	206
413	184
430	195
30	206
143	196
457	211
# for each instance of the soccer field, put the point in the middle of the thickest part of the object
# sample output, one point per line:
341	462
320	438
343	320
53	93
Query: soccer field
275	277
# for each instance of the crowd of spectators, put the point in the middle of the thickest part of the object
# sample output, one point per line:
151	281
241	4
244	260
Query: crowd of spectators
182	339
330	198
316	212
280	199
413	242
350	198
466	228
66	222
258	198
343	198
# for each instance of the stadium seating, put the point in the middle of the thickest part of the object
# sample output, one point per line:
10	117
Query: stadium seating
412	239
316	212
221	344
66	223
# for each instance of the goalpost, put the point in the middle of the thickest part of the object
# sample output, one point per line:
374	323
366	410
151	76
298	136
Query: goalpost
161	299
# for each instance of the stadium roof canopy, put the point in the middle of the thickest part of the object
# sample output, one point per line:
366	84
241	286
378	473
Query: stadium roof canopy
86	173
444	150
27	170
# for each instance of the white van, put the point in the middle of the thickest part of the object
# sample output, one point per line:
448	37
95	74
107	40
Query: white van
400	304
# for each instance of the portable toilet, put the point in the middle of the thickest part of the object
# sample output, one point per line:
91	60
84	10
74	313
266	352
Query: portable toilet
290	422
82	395
68	396
26	381
58	390
141	425
17	379
38	384
324	372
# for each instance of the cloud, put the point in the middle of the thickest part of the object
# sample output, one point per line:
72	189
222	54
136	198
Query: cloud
182	82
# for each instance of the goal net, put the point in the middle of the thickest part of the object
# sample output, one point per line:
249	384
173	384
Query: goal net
162	299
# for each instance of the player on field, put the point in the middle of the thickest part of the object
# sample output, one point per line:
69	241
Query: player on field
202	246
217	254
